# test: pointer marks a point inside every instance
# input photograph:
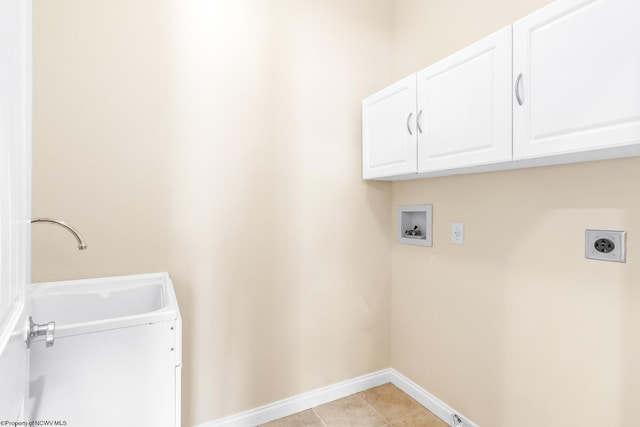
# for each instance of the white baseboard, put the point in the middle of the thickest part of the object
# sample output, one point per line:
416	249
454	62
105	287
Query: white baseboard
426	399
301	402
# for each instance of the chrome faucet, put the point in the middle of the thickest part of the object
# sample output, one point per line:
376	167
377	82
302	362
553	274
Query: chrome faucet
81	244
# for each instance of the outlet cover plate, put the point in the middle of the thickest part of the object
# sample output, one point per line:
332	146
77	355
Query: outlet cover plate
457	233
613	242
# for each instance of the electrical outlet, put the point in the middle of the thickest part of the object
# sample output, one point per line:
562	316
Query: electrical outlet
457	233
605	245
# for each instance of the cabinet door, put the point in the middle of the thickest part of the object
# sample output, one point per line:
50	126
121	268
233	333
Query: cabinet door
464	106
388	131
577	77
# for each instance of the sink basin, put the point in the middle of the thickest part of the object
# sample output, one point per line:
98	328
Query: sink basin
117	301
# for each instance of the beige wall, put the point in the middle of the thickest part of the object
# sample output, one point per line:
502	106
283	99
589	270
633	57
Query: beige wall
515	327
220	141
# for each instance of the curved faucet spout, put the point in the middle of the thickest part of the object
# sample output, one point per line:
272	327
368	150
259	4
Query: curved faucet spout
81	244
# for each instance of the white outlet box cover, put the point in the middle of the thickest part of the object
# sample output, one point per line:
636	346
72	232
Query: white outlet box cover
418	217
617	254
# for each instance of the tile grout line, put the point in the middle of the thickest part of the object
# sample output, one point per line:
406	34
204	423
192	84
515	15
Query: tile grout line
387	422
403	417
318	416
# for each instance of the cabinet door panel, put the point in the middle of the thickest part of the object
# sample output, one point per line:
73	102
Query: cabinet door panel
580	85
464	106
388	131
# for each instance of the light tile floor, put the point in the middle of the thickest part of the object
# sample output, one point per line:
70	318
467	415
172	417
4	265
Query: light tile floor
382	406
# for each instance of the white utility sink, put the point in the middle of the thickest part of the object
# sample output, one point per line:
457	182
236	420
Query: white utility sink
117	344
120	301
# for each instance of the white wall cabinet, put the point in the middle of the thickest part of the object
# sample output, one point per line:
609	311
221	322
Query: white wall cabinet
577	77
453	114
464	106
563	88
389	132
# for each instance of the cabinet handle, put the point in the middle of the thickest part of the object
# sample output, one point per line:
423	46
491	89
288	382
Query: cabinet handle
409	123
518	97
418	121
